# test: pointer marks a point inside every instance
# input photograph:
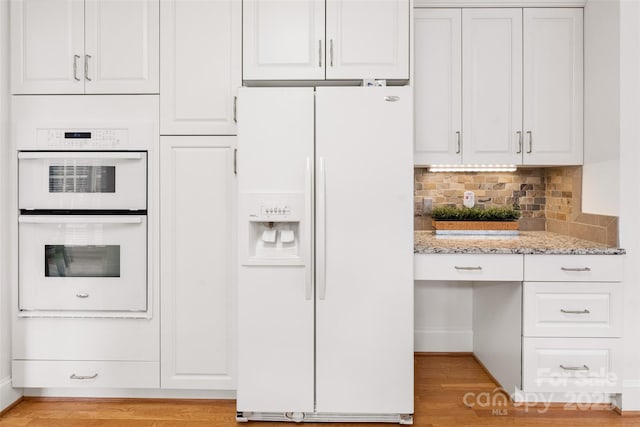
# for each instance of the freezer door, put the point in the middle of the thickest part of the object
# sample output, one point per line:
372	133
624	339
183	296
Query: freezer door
364	250
275	294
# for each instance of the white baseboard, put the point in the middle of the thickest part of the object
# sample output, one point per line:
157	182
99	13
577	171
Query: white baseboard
130	393
8	394
429	340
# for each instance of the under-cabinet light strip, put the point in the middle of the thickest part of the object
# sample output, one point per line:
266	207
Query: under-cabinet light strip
473	168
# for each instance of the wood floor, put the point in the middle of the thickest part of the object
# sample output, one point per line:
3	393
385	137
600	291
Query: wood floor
442	382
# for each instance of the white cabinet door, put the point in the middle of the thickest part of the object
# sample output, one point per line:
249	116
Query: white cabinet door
198	318
283	39
47	46
367	39
553	69
438	86
492	85
200	62
122	46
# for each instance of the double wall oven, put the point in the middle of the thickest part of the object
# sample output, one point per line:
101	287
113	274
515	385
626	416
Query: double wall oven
82	199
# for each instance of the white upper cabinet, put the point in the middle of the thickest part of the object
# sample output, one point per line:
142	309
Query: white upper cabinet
293	40
367	39
122	48
553	80
438	86
201	66
85	46
492	85
283	39
47	46
521	78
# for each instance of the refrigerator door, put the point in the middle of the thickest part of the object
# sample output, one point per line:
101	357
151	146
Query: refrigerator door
364	250
275	293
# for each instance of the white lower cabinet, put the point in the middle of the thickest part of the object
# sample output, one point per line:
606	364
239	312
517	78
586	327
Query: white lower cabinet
572	324
197	297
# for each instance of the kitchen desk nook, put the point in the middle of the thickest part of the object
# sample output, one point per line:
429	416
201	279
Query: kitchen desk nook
547	310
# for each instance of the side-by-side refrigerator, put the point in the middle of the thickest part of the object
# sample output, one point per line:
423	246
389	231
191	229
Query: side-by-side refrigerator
325	277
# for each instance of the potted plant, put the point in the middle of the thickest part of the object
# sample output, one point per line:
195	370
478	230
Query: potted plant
471	219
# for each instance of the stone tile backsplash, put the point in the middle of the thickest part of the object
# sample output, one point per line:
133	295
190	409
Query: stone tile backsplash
549	198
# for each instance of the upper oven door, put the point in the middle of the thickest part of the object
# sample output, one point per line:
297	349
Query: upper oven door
75	180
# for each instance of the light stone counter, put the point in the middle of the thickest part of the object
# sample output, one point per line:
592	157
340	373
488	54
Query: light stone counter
528	242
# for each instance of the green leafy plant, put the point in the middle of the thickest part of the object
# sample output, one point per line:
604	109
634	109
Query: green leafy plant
448	213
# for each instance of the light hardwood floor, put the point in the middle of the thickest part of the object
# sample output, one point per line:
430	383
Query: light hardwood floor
441	385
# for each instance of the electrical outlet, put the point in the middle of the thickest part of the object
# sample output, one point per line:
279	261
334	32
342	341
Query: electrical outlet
427	206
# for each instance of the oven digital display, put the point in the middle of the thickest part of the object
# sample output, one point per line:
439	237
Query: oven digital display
77	135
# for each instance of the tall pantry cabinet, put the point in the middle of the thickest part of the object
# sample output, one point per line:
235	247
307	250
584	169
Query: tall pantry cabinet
499	86
201	71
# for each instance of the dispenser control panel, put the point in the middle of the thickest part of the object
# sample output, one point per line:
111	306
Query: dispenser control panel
275	211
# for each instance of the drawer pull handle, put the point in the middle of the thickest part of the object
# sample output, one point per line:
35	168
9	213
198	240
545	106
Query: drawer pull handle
585	311
83	377
82	295
467	268
575	269
575	368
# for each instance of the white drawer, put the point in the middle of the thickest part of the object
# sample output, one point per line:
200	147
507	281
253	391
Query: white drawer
573	268
555	309
473	267
572	364
85	374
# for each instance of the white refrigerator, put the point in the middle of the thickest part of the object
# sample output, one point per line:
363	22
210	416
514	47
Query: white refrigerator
325	275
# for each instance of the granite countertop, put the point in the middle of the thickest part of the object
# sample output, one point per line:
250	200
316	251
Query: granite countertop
528	242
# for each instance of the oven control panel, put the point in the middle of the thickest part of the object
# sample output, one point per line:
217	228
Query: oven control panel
82	138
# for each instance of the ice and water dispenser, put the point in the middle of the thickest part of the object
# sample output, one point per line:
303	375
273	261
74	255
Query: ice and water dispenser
274	228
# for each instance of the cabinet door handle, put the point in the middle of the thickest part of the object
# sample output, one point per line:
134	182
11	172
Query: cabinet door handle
459	136
83	377
575	269
75	67
82	295
585	311
530	142
331	52
87	57
519	142
575	368
235	109
235	161
467	268
320	53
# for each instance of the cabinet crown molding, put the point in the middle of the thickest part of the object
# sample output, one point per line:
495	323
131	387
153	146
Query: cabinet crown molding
499	3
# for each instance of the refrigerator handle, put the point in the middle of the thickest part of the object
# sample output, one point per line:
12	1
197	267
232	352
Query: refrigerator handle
308	280
321	235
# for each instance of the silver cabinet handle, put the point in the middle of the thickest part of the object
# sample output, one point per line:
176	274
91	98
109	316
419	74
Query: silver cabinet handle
575	368
585	311
575	269
392	98
235	161
235	109
320	53
87	57
467	268
75	67
459	135
530	142
519	142
83	377
82	295
331	52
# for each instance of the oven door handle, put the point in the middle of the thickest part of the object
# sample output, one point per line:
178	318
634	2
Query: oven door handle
33	155
75	219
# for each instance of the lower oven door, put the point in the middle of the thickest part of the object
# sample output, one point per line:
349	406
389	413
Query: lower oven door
80	263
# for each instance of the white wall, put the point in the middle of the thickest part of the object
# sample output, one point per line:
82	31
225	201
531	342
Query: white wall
629	186
602	107
7	394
